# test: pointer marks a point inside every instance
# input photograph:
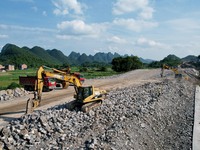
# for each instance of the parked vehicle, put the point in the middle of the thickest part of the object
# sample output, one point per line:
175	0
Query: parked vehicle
29	83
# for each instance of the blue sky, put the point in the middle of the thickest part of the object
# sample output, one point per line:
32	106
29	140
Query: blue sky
146	28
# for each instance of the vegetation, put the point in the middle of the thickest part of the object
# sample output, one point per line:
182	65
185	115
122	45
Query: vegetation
13	85
9	77
128	63
14	55
170	60
96	72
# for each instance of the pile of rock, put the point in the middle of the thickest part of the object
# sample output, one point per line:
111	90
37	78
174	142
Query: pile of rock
192	72
10	94
151	116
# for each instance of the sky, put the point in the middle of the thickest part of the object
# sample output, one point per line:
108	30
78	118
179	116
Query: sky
151	29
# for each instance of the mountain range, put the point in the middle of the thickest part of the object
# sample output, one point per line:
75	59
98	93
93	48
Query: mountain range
36	56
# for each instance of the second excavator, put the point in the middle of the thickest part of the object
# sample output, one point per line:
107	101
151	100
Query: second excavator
85	97
174	69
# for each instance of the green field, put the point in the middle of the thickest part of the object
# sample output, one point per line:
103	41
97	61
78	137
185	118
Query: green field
6	78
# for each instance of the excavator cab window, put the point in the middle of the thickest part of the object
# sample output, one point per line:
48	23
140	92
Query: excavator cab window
84	92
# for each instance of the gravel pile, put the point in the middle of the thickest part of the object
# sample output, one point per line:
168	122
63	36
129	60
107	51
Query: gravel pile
151	116
10	94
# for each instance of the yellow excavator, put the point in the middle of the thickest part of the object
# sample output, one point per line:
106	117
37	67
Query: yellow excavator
174	69
86	98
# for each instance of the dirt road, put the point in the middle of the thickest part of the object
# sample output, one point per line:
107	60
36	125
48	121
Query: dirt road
15	108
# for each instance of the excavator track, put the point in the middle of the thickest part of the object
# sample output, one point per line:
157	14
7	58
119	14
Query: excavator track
88	106
74	105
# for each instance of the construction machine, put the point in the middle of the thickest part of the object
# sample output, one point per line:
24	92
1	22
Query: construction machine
86	98
67	71
174	69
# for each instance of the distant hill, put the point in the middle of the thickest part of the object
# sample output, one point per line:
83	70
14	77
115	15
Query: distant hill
190	58
59	56
36	56
146	61
171	60
43	54
12	54
77	58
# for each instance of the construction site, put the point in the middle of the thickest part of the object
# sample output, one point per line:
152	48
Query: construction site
143	109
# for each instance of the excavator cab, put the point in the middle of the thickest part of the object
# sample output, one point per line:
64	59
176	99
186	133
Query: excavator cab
83	93
88	97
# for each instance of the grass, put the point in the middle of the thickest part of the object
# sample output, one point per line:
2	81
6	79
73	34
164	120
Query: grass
6	78
95	74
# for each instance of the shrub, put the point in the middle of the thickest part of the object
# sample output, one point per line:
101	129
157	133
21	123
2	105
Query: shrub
103	68
83	69
13	85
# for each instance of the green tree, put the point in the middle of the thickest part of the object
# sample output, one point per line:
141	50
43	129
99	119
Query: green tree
128	63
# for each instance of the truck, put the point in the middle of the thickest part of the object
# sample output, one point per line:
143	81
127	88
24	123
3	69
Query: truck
29	83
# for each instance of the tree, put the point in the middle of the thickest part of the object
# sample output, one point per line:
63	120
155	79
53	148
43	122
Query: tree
128	63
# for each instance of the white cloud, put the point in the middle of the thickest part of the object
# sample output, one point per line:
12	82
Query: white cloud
139	6
116	39
147	13
3	26
23	28
79	27
76	27
146	42
3	36
63	7
135	25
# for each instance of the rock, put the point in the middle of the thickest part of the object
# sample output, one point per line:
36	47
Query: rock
1	145
10	94
9	91
1	98
3	92
143	125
